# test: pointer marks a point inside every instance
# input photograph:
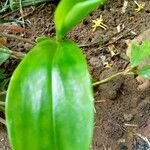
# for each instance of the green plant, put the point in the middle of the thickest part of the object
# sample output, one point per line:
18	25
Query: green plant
139	61
49	103
15	4
139	54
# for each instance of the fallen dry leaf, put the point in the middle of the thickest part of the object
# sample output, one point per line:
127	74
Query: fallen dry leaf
3	41
14	29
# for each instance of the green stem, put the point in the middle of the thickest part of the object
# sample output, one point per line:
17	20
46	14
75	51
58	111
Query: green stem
59	37
126	72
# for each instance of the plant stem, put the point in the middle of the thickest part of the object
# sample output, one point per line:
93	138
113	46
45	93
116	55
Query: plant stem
126	72
21	12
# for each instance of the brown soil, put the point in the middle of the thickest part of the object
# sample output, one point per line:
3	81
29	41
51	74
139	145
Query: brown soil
122	111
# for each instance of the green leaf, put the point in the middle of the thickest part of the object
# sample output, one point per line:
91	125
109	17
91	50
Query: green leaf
41	39
139	53
145	71
3	56
71	12
29	100
73	98
50	98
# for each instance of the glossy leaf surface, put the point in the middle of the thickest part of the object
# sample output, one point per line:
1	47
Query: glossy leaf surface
71	12
29	101
72	98
49	103
139	53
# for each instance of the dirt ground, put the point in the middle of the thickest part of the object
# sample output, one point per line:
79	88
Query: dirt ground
122	116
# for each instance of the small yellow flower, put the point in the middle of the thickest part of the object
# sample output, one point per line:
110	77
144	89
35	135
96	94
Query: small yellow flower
99	23
139	6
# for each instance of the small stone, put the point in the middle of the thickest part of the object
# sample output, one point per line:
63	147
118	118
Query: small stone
111	94
1	139
85	22
27	46
130	13
147	11
96	62
123	147
128	117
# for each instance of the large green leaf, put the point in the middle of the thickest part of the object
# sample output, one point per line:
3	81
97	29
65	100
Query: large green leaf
145	71
72	98
70	12
139	53
29	112
49	104
3	56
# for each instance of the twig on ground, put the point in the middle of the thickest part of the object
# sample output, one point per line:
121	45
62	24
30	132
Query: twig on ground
130	125
100	101
121	36
2	109
21	12
33	10
2	93
101	41
109	40
125	5
16	55
8	14
15	29
104	146
2	103
11	36
29	13
2	121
